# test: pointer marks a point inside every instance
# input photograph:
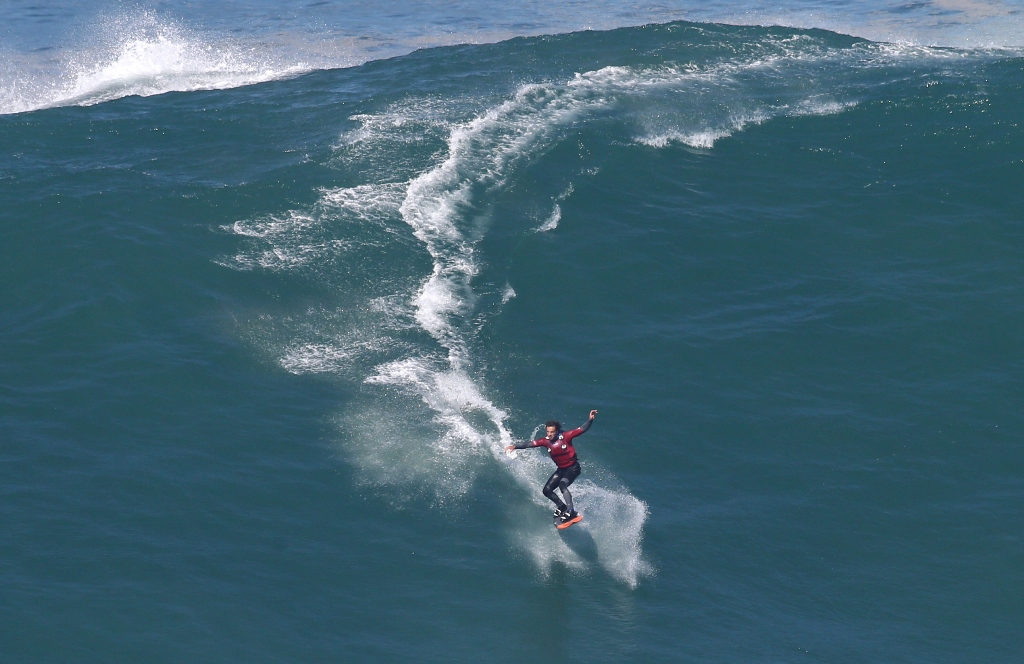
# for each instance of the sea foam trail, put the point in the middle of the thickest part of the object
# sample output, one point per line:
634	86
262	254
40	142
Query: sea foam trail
614	517
438	207
447	430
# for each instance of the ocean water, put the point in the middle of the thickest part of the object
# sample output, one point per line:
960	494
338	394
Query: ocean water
280	281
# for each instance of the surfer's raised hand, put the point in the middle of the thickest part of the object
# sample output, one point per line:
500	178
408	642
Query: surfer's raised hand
593	414
509	448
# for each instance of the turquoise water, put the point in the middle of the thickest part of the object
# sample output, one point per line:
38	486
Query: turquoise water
264	343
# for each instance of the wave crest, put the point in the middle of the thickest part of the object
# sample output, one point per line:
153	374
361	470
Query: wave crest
142	55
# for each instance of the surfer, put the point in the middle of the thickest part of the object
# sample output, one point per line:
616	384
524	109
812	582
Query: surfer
559	445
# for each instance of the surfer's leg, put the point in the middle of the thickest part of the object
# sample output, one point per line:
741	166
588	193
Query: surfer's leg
569	476
549	489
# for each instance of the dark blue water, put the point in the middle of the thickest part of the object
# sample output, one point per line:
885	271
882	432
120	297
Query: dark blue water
263	345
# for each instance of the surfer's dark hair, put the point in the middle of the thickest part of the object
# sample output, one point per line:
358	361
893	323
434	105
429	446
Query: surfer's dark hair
553	423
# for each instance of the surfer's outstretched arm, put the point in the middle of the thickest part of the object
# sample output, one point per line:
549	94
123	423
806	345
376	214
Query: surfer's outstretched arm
586	425
521	445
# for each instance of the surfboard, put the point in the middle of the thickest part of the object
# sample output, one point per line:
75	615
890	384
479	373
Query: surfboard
566	524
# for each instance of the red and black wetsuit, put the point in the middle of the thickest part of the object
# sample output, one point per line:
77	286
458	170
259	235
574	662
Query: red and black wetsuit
561	450
564	455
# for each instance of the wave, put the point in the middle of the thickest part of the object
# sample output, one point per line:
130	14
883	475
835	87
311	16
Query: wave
400	257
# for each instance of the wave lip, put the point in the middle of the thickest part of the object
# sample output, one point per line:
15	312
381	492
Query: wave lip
152	66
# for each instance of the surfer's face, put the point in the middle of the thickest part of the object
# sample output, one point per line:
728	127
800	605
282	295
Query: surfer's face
552	432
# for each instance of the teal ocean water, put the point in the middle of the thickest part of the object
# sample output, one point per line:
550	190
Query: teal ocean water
267	325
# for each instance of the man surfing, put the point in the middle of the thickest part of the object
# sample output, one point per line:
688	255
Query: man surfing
559	444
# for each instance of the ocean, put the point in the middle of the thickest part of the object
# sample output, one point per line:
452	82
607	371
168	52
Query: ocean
280	281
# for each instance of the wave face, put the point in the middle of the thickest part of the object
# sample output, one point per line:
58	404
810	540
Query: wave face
436	172
783	264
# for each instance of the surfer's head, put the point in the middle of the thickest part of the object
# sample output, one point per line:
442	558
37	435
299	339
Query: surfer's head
552	427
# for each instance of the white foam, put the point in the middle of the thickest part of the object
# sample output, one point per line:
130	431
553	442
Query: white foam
414	454
366	202
142	55
291	240
616	520
820	107
424	116
410	131
786	65
164	63
551	223
447	457
440	298
698	139
290	223
480	152
325	351
462	444
315	358
449	393
280	258
705	138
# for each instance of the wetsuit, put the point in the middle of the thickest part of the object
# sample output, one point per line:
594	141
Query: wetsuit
564	455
